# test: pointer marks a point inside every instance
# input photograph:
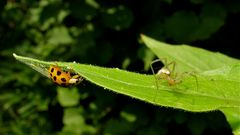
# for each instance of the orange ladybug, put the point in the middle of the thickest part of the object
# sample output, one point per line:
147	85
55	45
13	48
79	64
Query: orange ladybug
63	78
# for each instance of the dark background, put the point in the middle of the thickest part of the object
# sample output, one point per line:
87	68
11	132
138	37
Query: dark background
104	33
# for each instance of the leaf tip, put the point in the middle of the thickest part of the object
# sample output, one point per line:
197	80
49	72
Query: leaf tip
14	55
142	35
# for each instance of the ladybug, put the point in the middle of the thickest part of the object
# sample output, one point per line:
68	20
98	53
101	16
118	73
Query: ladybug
63	78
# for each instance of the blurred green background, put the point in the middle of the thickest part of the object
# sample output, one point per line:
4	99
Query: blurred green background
104	33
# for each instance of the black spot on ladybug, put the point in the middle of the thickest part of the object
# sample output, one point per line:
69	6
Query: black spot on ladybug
50	74
54	78
72	74
67	72
63	79
52	69
58	73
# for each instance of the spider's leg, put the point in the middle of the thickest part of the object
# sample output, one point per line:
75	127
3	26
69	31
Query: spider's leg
196	80
195	77
155	76
164	61
155	61
172	70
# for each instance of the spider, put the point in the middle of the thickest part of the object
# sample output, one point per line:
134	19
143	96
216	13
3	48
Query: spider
167	72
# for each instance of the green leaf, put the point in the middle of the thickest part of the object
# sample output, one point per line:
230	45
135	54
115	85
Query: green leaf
224	79
212	18
75	123
233	117
213	86
35	64
68	97
72	116
181	26
59	35
210	95
189	58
